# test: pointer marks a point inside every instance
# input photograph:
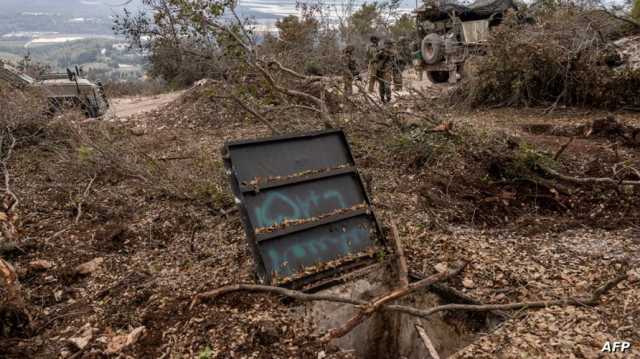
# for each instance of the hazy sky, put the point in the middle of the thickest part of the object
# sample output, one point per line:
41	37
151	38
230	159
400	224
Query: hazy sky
258	8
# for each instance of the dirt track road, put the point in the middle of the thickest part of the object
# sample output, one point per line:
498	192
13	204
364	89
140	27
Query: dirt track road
129	106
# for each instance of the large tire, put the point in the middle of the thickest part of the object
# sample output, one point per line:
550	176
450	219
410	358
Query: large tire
438	77
432	49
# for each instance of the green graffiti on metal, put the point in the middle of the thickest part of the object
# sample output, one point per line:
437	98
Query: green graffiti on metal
323	248
296	207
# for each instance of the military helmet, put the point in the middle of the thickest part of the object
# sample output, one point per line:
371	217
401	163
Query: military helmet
374	38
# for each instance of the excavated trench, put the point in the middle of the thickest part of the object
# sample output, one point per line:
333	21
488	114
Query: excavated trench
390	334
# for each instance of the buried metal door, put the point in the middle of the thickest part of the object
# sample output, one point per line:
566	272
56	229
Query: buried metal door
303	206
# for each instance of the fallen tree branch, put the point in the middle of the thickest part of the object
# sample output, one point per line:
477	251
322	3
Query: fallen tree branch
5	170
322	106
176	158
427	342
627	19
588	180
293	72
377	303
592	300
403	271
562	149
10	280
305	297
84	197
251	111
455	296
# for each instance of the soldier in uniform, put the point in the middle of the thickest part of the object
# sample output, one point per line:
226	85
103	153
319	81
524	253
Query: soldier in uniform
372	51
350	70
385	60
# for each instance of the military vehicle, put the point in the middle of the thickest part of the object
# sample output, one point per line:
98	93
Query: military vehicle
62	90
451	35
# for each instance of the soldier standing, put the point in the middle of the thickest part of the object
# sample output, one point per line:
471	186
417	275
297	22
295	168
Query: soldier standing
385	60
350	70
372	51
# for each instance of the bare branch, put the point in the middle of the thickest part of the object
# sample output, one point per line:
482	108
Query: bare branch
403	272
5	169
379	302
625	18
593	299
427	342
588	180
84	197
562	149
253	112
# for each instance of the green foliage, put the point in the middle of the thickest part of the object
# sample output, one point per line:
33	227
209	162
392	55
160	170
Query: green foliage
366	21
210	187
635	12
525	160
296	32
85	153
183	37
205	353
559	60
426	147
403	26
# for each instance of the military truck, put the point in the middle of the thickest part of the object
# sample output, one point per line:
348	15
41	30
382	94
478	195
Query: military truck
451	35
63	90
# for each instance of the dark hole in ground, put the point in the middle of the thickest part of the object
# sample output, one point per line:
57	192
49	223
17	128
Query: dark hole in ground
391	334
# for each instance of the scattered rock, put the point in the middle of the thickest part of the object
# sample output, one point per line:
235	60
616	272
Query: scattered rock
89	267
40	265
441	267
121	342
84	338
138	131
468	283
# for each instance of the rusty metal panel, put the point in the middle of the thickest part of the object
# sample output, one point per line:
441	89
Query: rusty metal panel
303	206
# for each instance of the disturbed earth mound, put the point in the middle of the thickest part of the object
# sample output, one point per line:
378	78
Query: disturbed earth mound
124	222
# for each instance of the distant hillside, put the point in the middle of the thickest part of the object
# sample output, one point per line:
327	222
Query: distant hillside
94	16
76	8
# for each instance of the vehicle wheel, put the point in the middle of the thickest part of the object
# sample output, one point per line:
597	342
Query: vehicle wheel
432	49
438	77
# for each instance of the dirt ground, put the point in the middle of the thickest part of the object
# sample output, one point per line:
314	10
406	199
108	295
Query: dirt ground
129	106
155	246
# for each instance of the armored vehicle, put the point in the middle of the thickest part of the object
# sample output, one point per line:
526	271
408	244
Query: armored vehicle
451	35
62	90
